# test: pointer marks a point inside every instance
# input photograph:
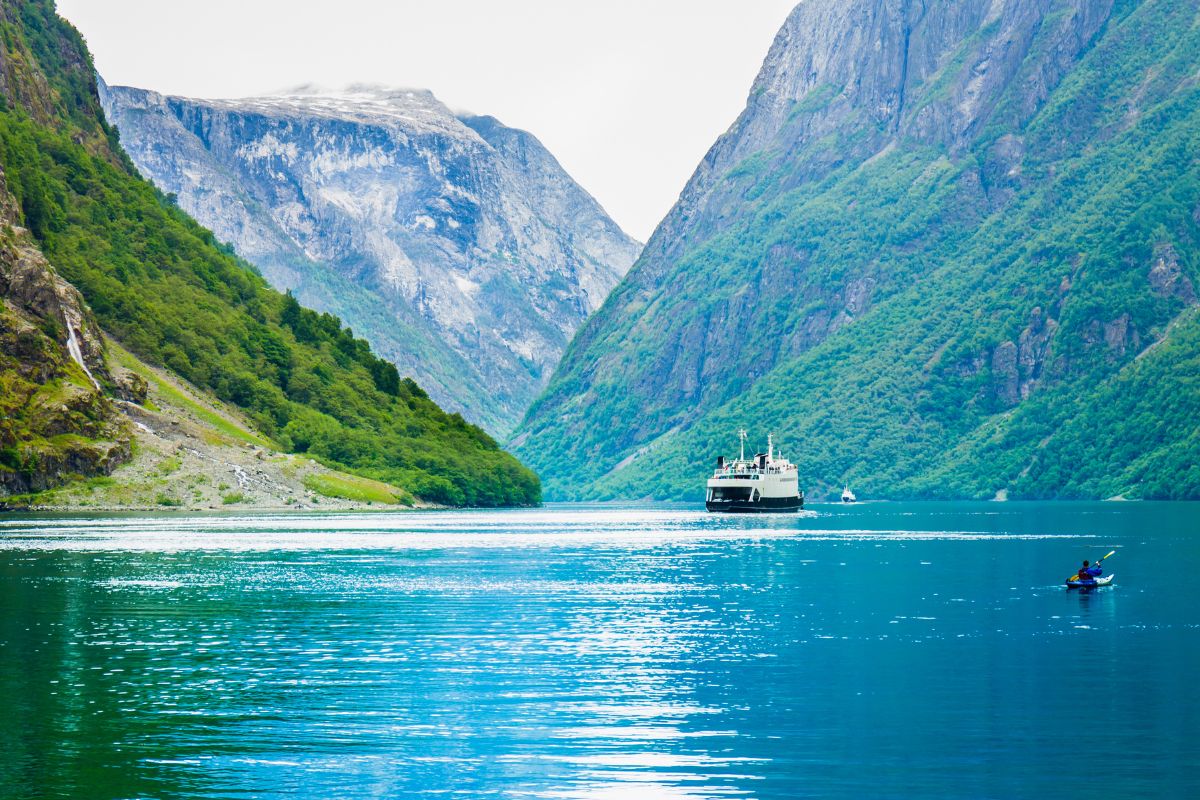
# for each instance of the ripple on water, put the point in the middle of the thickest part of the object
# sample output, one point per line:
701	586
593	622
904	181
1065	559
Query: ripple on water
586	653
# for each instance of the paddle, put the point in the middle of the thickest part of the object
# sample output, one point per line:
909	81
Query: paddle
1076	575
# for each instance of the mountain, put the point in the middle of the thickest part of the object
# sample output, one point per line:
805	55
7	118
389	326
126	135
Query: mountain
89	249
949	249
458	247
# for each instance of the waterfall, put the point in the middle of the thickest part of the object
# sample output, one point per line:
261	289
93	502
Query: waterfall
77	353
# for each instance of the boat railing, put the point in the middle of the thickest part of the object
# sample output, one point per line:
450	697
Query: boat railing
751	472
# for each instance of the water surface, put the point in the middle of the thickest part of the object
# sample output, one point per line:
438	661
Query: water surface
888	650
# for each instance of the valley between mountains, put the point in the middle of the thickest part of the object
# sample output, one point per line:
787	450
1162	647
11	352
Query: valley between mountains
948	250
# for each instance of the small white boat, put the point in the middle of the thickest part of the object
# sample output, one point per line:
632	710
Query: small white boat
848	496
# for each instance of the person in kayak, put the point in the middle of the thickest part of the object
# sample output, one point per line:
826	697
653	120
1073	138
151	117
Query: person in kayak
1088	574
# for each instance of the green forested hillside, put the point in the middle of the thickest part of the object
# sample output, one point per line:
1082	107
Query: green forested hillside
161	285
990	289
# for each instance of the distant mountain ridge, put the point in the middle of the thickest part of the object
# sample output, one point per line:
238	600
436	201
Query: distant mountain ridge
457	246
949	249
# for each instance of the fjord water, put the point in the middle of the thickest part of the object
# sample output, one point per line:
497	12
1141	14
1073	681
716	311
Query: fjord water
892	649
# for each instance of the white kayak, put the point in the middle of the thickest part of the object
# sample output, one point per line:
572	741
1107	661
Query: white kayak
1096	584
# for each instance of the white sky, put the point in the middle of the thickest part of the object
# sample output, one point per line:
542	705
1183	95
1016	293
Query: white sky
628	95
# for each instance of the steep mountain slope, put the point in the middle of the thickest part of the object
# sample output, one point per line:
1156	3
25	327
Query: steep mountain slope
56	417
949	249
457	246
159	283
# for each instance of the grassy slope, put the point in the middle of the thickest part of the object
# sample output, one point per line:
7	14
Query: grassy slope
166	392
187	451
160	282
902	400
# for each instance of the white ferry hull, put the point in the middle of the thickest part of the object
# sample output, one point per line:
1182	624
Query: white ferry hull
764	505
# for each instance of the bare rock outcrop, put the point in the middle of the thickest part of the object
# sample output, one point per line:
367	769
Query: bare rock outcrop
1167	278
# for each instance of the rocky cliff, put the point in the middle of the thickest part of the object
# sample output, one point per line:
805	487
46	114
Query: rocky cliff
58	420
939	243
847	80
457	246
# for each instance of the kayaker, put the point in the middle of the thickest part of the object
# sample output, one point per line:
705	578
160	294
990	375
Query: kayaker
1087	573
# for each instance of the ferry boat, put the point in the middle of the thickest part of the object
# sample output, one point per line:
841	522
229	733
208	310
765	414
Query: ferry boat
848	496
766	483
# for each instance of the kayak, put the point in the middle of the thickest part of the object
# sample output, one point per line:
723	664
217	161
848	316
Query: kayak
1078	584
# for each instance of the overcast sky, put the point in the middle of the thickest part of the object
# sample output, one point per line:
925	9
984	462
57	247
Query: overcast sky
627	94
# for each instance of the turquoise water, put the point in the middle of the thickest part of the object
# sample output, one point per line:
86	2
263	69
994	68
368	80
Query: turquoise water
887	650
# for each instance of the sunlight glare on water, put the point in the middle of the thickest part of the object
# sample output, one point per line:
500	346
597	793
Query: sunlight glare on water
595	652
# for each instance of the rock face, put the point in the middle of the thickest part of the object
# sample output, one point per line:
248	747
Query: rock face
933	228
458	247
57	419
846	79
